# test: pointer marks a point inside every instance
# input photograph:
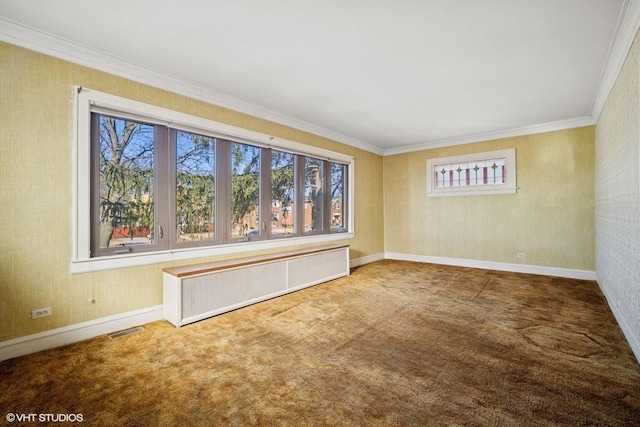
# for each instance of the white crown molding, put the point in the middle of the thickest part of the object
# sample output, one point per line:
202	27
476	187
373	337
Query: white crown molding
48	44
11	32
628	25
506	133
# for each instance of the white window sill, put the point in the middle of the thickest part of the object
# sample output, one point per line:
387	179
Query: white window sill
477	191
507	187
79	266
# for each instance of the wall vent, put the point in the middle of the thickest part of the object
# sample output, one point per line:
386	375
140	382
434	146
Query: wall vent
126	332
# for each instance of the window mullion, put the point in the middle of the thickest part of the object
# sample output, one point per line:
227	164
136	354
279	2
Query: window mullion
299	171
170	189
95	185
161	232
326	185
223	190
147	178
265	193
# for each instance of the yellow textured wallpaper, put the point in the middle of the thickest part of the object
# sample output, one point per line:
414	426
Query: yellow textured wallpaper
551	219
36	194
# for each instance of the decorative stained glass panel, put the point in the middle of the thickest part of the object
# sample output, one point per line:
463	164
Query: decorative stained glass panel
480	173
483	172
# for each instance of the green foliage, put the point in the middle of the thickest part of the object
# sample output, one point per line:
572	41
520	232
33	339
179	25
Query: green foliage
195	203
244	195
195	186
126	176
282	178
245	181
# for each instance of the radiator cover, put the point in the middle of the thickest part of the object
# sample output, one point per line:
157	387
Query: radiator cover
193	293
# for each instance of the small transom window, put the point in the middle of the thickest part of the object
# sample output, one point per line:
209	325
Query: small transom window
472	174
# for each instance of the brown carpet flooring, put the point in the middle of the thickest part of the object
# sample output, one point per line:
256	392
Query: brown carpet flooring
396	343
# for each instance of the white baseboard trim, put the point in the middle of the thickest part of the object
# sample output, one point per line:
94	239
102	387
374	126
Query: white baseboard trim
627	330
78	332
357	262
500	266
69	334
632	338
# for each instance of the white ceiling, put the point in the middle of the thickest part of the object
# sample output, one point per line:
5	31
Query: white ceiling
387	76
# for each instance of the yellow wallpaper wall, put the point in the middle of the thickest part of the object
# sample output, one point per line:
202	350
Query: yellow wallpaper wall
36	194
551	219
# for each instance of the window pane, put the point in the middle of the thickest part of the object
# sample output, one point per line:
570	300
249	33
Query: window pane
313	194
245	190
338	187
282	193
126	187
475	173
195	184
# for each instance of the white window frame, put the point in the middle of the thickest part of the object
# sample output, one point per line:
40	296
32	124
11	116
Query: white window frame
509	187
81	260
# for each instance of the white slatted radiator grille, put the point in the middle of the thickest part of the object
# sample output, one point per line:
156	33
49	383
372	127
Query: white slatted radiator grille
317	268
193	293
212	292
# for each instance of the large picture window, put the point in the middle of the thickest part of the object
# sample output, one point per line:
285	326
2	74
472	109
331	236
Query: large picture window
170	186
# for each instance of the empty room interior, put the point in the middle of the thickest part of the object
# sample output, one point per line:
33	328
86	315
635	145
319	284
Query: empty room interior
349	213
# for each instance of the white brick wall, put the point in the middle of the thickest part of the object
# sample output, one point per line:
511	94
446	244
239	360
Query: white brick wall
618	199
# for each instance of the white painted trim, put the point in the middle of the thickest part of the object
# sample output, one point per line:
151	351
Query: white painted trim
508	187
626	30
70	334
78	332
20	35
627	330
86	100
366	260
89	100
500	266
91	329
489	136
90	265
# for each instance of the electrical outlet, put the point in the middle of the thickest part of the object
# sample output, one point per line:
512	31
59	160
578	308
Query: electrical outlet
41	312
